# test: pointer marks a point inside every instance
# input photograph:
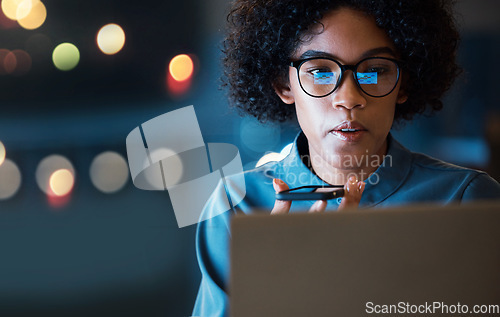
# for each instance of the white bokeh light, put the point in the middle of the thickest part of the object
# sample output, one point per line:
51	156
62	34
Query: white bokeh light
111	39
173	168
2	153
46	169
10	179
109	172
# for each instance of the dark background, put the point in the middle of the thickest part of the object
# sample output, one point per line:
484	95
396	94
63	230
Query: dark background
123	254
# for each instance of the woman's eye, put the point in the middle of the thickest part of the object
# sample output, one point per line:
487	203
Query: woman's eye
320	70
379	69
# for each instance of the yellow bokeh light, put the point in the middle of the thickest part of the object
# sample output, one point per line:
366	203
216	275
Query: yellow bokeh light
111	39
10	8
66	56
18	9
24	9
181	67
35	18
46	169
61	182
2	153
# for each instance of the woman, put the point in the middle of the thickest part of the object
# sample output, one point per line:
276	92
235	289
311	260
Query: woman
348	70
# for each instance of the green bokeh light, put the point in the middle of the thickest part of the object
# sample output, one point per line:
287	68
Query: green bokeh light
66	56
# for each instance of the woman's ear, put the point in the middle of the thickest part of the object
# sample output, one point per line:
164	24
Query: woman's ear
283	91
402	97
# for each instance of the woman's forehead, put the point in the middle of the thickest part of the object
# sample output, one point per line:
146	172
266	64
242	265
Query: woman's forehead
347	35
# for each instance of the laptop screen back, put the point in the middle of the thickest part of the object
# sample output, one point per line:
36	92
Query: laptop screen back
359	262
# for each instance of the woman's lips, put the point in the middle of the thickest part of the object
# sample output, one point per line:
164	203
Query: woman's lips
349	131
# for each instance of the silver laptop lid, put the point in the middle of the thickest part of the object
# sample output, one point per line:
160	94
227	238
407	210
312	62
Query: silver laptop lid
359	262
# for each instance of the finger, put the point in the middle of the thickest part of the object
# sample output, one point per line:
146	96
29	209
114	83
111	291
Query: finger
280	206
353	190
318	206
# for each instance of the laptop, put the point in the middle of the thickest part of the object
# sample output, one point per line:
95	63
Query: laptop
413	260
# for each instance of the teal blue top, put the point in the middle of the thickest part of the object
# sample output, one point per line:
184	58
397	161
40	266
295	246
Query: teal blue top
404	177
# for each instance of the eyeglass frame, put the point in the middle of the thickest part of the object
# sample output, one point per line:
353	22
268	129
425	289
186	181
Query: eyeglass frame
296	64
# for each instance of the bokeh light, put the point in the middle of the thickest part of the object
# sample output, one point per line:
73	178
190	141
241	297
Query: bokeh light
38	46
111	39
173	167
3	55
66	56
10	63
109	172
6	23
181	67
258	137
2	153
61	182
269	157
275	157
10	179
11	7
177	88
18	62
35	17
180	72
286	150
46	168
24	8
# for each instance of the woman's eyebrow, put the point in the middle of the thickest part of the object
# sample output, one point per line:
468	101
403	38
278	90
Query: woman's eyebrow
369	53
313	53
378	51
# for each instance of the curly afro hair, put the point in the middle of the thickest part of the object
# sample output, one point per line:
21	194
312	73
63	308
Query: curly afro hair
263	34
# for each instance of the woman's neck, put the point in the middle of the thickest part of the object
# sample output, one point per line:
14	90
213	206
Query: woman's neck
337	171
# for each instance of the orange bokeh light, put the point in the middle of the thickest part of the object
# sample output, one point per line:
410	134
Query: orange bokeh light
181	67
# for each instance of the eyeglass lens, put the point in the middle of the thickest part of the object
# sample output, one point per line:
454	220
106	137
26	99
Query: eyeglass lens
377	77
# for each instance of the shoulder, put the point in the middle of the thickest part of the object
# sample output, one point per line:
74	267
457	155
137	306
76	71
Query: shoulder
258	183
467	183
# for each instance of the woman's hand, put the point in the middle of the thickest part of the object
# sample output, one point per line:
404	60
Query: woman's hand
352	195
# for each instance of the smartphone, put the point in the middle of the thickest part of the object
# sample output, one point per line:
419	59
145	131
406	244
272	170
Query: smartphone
312	192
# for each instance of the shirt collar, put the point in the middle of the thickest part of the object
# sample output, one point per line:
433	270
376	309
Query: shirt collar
388	177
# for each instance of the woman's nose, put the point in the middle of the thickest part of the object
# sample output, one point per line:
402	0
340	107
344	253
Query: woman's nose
348	95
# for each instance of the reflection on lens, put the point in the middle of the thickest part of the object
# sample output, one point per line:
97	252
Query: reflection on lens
376	76
318	77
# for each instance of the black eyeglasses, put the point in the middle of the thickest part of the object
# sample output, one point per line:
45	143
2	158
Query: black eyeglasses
320	76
